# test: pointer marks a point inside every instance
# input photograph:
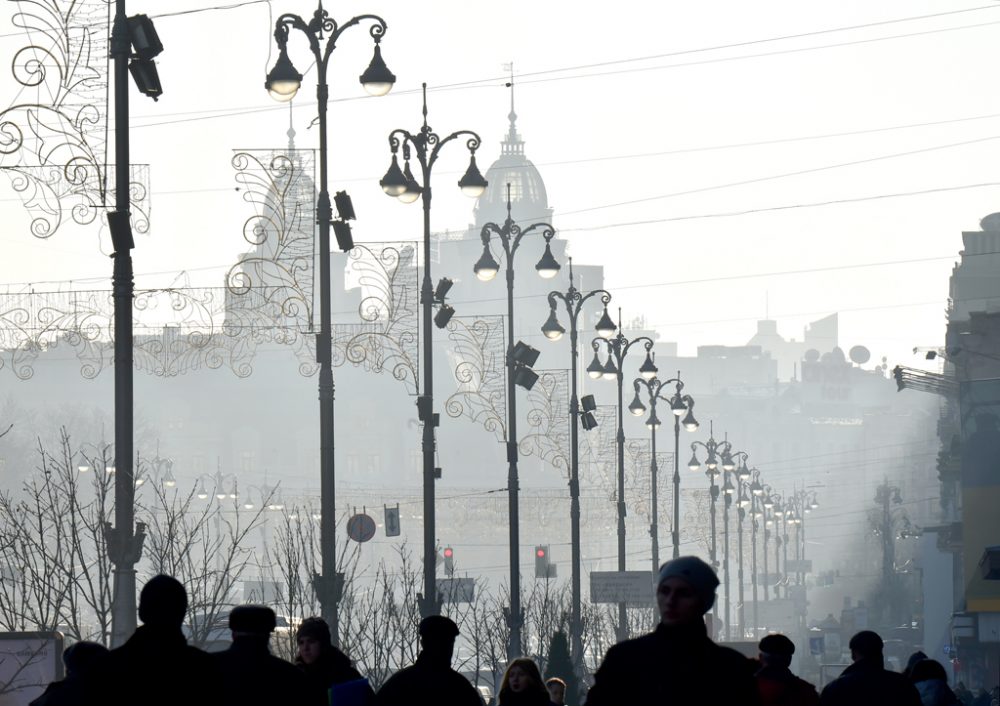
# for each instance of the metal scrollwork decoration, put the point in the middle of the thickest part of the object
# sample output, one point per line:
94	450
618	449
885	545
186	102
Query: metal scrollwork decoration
385	276
548	437
54	150
479	351
279	272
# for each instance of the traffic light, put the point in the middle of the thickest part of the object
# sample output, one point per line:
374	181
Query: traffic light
449	561
542	561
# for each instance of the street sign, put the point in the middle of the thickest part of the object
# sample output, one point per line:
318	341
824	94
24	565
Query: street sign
777	615
361	527
28	662
457	590
634	587
392	521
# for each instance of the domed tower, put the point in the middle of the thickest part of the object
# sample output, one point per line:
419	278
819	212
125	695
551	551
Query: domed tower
529	201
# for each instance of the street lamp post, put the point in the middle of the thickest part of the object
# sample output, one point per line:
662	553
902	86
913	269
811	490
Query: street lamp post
742	503
767	502
756	513
510	235
654	387
283	82
573	299
618	348
425	145
715	452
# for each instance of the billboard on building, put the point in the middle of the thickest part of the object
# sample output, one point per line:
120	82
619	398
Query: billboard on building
980	406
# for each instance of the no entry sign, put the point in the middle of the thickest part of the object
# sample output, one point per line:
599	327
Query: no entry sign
361	528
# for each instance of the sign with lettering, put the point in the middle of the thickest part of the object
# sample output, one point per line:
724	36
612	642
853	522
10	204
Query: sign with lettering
635	587
29	661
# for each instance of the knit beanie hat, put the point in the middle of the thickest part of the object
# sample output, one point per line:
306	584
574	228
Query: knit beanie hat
696	572
315	628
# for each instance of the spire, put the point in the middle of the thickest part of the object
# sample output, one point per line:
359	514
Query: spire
291	130
512	144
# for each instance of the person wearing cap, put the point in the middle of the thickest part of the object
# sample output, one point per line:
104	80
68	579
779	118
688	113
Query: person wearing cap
431	680
866	682
326	667
776	684
677	663
250	674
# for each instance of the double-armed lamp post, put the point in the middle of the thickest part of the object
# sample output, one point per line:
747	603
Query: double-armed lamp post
617	349
519	372
574	300
425	146
283	82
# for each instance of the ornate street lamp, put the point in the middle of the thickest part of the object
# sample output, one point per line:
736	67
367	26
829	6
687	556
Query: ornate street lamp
425	146
617	349
510	235
573	299
681	405
716	452
283	82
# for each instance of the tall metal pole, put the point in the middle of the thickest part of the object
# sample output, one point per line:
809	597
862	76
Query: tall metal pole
618	349
510	235
767	578
740	513
124	540
328	585
677	487
713	494
753	561
654	525
725	551
573	300
426	145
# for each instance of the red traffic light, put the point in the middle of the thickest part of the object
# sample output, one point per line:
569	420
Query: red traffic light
448	552
540	552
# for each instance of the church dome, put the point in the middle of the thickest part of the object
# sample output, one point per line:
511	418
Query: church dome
529	200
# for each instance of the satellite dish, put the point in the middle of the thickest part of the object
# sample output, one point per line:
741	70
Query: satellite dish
860	355
812	355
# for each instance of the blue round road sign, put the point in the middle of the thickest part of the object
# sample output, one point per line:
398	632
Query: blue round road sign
361	528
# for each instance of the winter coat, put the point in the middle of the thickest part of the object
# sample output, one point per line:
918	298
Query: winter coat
868	683
155	667
525	698
673	665
777	686
252	676
333	667
428	682
936	692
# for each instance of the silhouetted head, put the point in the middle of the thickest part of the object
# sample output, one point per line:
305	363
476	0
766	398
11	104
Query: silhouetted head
928	669
557	690
163	602
866	645
313	639
685	590
776	650
912	661
251	621
522	677
79	657
437	635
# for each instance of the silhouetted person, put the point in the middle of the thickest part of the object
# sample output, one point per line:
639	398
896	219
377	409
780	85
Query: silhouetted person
522	685
431	680
963	693
326	667
931	680
776	684
911	662
156	666
557	691
867	682
251	675
677	663
78	659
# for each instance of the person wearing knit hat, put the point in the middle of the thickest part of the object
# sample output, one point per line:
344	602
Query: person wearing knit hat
678	662
775	682
324	664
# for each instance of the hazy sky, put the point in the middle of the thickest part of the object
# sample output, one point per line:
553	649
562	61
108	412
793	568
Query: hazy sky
687	146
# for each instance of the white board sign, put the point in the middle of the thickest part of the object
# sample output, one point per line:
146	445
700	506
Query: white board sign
635	587
29	661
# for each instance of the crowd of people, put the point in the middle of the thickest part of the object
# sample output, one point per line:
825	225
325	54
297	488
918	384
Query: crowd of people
678	663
